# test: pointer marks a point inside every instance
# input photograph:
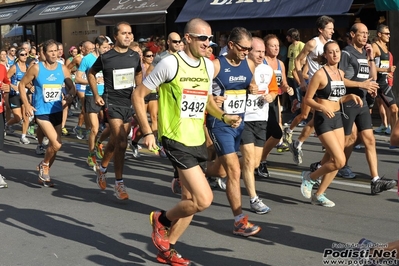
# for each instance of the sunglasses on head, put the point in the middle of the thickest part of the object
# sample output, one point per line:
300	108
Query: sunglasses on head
176	41
242	48
201	37
149	55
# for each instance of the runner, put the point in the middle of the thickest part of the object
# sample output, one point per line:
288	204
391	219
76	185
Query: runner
10	61
296	46
256	116
135	134
272	51
42	141
15	74
3	58
386	97
4	87
358	63
48	78
11	55
73	51
234	80
91	109
184	79
122	72
328	85
312	50
87	48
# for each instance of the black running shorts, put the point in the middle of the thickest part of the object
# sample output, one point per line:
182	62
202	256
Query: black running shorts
185	157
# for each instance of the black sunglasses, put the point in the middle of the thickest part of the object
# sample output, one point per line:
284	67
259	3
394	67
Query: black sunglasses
176	41
23	54
242	48
149	55
201	37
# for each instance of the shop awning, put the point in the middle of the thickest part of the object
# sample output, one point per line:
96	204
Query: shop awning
12	14
133	12
386	5
253	10
59	10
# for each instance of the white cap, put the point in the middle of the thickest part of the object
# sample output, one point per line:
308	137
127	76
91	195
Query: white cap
212	44
109	40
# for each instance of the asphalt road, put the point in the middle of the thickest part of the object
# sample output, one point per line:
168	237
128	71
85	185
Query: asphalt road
75	223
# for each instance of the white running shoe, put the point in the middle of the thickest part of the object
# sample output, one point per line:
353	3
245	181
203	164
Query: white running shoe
380	129
24	140
45	141
222	182
3	183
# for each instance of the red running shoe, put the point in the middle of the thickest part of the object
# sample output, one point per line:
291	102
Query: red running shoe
172	257
159	232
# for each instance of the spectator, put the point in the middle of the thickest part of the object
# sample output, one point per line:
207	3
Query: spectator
153	44
209	50
223	44
173	42
142	43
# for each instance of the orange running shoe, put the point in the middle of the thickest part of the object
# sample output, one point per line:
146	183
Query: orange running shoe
159	232
44	175
120	191
101	179
172	257
245	228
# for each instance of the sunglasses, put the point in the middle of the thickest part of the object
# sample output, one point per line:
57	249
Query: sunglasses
23	54
176	41
242	48
201	37
149	55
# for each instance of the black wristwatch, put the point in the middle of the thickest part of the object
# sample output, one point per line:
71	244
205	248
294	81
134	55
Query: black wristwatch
222	118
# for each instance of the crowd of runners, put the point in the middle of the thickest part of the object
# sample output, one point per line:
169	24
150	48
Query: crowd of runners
216	117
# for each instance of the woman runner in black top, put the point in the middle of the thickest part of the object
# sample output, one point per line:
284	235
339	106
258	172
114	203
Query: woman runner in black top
328	85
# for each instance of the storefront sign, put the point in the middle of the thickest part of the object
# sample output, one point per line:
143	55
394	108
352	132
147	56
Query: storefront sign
61	8
134	4
14	1
84	32
229	2
7	14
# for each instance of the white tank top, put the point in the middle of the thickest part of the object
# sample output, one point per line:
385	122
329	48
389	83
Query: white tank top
312	57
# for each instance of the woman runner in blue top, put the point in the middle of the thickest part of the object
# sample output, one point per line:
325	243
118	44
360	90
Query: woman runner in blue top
15	74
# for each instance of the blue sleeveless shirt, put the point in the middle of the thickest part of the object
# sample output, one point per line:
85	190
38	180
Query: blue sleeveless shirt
10	62
232	82
16	78
47	98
